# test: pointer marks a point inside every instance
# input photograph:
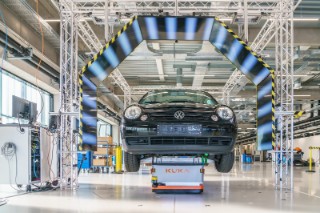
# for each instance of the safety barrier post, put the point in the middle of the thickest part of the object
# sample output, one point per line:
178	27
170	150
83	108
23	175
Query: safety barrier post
118	169
310	158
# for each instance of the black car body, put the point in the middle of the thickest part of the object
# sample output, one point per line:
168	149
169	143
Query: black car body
186	122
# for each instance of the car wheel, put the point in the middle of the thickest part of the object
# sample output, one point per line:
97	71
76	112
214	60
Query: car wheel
131	162
224	163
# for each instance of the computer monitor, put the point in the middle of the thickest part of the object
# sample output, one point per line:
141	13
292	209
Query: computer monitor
24	109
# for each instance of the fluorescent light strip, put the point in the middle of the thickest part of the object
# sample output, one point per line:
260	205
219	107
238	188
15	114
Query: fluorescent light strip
304	75
142	76
225	19
294	19
197	75
58	20
302	95
51	20
305	19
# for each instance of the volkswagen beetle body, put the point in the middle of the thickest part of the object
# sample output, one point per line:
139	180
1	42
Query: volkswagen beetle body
178	122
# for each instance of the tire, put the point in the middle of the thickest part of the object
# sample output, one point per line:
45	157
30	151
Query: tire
131	162
225	163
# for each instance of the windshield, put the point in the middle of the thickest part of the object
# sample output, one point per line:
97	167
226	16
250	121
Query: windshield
178	96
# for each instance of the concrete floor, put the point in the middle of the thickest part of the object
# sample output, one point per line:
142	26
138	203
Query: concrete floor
248	188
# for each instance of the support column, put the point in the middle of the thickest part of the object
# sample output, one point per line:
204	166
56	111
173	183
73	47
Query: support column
69	96
116	135
179	77
284	95
106	21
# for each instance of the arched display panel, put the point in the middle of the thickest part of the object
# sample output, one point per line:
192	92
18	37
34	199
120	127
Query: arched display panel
177	28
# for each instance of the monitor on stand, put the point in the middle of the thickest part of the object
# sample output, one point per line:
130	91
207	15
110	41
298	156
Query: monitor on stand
24	109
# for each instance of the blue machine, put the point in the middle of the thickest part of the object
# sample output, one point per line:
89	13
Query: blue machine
87	162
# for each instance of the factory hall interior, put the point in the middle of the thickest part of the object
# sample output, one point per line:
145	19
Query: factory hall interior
169	106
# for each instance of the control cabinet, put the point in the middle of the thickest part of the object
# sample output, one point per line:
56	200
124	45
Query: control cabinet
28	155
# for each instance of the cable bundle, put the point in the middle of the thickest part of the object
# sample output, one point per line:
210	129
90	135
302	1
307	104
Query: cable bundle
8	150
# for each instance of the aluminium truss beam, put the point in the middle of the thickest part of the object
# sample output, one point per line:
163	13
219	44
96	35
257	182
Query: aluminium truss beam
69	97
284	96
91	40
173	7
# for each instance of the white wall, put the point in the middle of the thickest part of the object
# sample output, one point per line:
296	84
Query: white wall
305	143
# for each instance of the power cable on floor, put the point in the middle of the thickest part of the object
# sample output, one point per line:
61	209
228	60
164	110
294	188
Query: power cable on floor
19	194
3	202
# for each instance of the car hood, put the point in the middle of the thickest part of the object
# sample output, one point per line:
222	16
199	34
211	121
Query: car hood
178	105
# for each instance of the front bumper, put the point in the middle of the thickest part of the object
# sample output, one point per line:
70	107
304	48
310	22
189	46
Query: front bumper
216	139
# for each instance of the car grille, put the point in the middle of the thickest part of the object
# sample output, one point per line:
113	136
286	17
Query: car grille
190	141
169	116
137	141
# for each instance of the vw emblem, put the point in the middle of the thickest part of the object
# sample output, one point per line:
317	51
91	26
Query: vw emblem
179	115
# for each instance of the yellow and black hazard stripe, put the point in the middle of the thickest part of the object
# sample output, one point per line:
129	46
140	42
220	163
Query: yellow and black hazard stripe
81	109
298	114
111	41
314	147
272	73
244	44
85	68
273	100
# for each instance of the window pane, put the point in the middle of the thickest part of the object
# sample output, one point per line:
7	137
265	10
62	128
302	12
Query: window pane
12	85
104	129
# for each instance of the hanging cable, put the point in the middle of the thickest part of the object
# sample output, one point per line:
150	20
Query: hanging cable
8	150
21	130
3	202
40	61
4	54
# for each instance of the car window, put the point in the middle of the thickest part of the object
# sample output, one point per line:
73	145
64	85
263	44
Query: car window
178	96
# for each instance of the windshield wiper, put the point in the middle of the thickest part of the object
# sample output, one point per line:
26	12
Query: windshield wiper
151	102
182	101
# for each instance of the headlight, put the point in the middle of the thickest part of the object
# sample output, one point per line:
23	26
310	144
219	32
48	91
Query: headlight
144	117
225	113
132	112
214	118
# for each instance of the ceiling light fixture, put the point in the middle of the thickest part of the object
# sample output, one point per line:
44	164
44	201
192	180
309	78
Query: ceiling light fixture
225	19
302	75
198	75
58	20
52	20
305	19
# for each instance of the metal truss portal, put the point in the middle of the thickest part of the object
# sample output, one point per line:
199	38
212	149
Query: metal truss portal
173	7
284	96
74	10
70	29
69	97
